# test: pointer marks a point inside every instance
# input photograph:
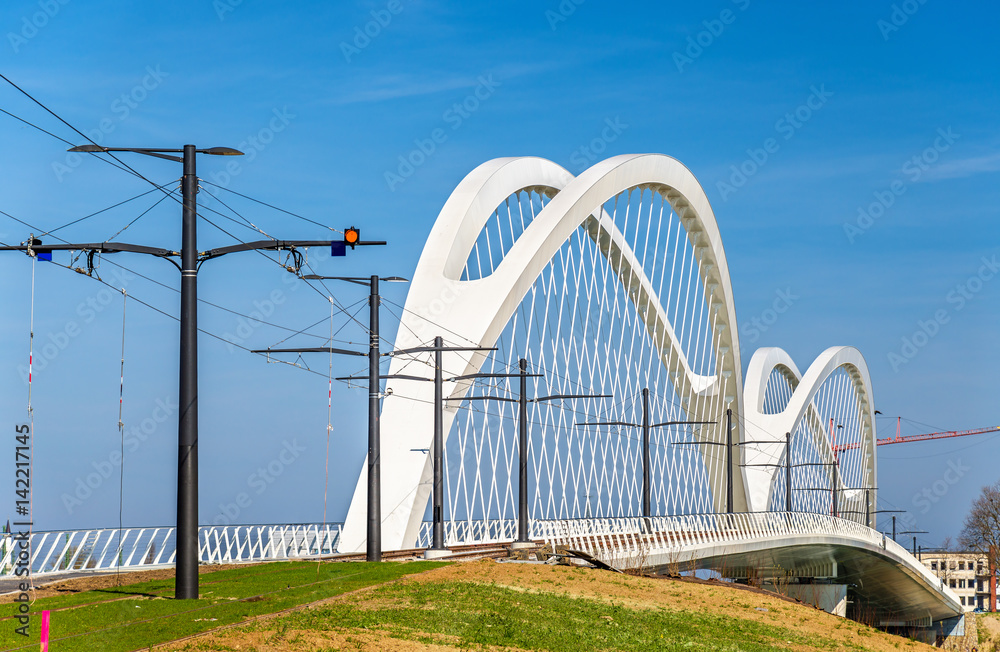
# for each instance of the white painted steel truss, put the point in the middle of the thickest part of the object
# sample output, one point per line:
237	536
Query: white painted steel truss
607	283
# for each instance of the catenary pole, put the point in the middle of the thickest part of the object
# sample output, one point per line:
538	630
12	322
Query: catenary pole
374	538
187	427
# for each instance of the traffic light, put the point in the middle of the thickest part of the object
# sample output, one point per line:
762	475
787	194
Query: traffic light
40	254
352	236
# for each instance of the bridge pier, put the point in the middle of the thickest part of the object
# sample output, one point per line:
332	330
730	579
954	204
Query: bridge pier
831	598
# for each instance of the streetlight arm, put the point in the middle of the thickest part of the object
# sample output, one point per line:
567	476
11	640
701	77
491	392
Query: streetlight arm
96	247
431	349
481	398
679	423
387	377
468	376
610	423
315	349
271	245
556	397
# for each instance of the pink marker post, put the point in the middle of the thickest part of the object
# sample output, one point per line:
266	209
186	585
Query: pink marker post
45	631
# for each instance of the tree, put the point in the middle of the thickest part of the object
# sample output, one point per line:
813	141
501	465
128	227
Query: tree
981	530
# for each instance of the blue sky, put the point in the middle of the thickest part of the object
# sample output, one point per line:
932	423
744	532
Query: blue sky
875	207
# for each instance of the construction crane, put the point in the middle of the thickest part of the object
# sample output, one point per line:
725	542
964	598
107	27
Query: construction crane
898	439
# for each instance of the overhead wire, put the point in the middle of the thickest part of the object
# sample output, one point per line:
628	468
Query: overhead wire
164	285
104	210
251	224
123	165
132	171
134	220
59	138
264	203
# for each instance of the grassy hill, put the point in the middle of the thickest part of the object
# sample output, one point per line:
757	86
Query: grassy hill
432	606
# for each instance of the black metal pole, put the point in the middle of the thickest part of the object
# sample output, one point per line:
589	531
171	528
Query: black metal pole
374	549
646	509
836	512
868	508
522	455
893	528
438	459
729	461
788	471
186	586
914	546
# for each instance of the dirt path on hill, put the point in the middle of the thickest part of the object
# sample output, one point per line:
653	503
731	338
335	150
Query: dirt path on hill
639	593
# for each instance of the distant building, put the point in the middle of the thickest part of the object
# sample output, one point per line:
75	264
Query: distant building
968	574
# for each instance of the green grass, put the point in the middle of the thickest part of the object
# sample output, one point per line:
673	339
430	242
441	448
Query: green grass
476	616
139	615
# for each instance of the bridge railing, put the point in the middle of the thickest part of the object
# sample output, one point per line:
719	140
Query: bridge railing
457	533
76	550
632	537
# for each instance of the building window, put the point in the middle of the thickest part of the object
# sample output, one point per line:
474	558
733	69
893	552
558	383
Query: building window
933	565
961	565
951	583
979	568
961	584
952	565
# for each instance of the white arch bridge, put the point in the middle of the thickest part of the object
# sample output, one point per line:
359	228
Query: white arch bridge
613	286
613	289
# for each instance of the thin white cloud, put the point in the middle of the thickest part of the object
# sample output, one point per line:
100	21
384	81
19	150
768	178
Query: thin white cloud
962	168
396	86
393	87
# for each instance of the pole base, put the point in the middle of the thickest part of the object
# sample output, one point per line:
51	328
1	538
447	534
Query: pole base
521	545
436	553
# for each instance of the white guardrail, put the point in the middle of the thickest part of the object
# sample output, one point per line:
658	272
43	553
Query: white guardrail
460	533
609	538
635	537
91	550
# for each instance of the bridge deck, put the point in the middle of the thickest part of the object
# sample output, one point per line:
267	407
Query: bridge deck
886	578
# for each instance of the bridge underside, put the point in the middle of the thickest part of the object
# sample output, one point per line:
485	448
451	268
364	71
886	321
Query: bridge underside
882	589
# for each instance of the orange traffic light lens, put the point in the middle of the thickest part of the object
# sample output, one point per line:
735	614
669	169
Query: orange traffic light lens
351	236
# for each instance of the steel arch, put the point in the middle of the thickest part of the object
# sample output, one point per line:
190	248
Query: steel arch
475	311
772	427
